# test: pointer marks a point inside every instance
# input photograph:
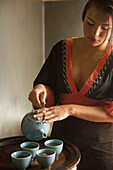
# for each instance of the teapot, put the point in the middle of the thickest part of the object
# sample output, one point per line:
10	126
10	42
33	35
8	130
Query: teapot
34	129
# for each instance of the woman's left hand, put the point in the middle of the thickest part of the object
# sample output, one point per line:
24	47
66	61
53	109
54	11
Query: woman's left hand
54	113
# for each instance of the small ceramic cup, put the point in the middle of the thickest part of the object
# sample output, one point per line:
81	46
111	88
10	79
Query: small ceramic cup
32	147
21	159
45	157
55	144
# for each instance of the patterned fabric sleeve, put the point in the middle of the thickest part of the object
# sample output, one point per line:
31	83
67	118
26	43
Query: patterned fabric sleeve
102	88
108	104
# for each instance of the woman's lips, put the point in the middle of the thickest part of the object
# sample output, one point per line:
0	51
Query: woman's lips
94	40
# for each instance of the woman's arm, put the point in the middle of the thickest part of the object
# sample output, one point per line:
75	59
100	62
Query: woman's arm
90	113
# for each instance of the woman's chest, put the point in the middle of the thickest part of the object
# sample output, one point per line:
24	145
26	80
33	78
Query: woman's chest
82	68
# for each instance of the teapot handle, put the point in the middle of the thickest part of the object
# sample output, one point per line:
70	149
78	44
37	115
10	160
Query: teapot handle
37	107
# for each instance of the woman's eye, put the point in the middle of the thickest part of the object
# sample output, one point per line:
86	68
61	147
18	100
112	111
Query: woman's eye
105	28
89	23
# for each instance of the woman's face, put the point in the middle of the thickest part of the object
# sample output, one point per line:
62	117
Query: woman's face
97	27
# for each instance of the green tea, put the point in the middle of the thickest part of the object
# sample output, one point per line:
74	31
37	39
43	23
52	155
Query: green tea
29	147
52	144
44	154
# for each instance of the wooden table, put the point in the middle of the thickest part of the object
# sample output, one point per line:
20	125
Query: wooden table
68	159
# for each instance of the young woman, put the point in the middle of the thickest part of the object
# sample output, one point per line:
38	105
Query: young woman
76	84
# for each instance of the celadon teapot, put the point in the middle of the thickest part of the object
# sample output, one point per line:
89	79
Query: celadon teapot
34	129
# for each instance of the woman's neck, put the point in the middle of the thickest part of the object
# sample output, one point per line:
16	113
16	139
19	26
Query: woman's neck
97	51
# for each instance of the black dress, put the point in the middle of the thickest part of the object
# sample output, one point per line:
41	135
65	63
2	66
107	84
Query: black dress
94	140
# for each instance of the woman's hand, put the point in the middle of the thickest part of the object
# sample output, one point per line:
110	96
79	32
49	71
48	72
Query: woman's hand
57	113
54	113
38	95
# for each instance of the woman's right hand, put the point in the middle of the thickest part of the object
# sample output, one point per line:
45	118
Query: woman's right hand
38	95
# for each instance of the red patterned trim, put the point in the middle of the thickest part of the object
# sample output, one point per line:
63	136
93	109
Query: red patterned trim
69	65
79	100
108	106
92	77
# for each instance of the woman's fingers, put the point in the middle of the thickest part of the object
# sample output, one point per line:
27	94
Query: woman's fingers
50	115
34	99
55	113
38	95
43	98
39	114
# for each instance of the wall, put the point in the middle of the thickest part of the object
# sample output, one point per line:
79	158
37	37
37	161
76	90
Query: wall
63	19
21	56
27	33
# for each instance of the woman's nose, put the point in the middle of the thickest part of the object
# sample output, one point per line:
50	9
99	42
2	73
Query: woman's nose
97	31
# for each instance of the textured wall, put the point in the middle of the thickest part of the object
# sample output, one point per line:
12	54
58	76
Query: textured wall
63	19
21	57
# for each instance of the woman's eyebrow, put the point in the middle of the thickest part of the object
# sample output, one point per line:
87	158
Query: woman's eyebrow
91	19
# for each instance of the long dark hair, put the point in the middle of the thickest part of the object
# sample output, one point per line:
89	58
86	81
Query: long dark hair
104	5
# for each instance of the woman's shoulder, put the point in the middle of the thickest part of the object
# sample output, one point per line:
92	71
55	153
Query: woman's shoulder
62	44
78	45
78	41
74	40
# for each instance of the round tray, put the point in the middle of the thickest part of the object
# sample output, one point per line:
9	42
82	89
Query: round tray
68	159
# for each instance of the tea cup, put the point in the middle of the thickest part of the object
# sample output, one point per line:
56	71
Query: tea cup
21	159
45	157
55	144
32	147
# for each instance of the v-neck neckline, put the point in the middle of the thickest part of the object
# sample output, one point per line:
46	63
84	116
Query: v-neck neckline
91	78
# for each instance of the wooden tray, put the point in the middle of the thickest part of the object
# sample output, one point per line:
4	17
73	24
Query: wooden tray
68	159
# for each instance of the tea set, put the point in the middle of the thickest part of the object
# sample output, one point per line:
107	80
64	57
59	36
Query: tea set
35	130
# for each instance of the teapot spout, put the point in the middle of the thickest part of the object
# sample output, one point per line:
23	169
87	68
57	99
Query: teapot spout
44	135
38	135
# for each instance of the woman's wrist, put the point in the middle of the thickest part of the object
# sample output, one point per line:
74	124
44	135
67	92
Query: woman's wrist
72	110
